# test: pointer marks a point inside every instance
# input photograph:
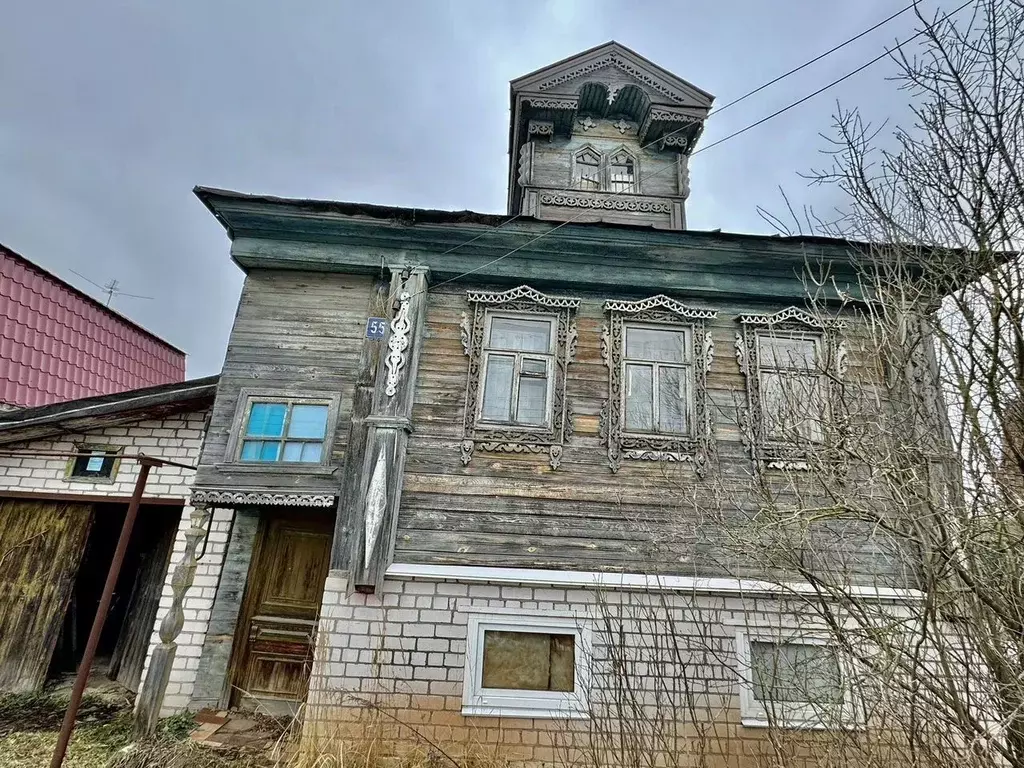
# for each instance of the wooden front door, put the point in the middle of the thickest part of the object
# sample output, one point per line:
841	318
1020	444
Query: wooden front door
41	546
279	614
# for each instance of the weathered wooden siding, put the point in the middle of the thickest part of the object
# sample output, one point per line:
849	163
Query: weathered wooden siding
41	546
298	333
513	510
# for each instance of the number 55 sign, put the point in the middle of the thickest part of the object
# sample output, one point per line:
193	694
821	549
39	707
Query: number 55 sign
376	328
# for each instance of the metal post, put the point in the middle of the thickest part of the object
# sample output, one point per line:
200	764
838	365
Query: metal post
85	667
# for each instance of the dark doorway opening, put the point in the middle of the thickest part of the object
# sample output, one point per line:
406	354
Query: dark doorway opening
129	625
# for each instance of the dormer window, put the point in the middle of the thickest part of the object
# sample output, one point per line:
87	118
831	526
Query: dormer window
587	170
623	173
615	172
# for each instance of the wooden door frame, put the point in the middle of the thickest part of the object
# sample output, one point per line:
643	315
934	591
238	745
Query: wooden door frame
240	640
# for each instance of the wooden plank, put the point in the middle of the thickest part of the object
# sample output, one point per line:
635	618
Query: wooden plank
41	545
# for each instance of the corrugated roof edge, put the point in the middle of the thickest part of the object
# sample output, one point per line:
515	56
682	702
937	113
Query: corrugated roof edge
124	318
105	405
432	216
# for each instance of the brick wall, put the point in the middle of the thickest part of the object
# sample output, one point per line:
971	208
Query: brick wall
392	663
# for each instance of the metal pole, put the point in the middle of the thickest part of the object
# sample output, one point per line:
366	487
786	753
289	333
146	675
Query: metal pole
85	667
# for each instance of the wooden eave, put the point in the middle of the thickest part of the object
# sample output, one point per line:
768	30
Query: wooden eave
93	413
276	233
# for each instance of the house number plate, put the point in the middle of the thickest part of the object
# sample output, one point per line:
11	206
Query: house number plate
376	327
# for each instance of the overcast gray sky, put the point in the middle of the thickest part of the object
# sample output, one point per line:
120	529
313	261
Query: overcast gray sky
110	112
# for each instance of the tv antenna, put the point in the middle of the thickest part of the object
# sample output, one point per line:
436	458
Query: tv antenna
111	289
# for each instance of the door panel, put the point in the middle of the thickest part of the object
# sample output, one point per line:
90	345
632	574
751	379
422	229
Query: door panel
41	545
156	542
286	583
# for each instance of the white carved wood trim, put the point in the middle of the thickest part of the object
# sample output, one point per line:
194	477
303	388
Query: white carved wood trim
261	498
376	504
398	343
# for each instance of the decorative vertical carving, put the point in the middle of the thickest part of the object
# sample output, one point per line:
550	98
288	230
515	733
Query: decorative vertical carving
684	175
183	576
695	447
741	352
376	503
398	342
526	164
464	331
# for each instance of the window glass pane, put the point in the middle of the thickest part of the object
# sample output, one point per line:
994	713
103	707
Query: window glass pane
793	406
533	395
251	450
520	334
795	672
308	421
270	451
673	396
266	420
498	388
587	170
530	661
640	398
661	346
94	463
292	452
312	452
535	367
783	352
622	173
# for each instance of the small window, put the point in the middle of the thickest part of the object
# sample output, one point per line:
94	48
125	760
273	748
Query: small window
526	666
794	682
287	432
98	463
623	173
793	391
517	359
587	170
658	381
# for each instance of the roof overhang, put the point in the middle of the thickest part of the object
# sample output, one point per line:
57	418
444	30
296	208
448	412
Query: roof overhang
93	413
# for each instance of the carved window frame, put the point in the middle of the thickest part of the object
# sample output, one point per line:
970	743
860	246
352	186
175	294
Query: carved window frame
791	322
607	162
659	311
574	182
518	439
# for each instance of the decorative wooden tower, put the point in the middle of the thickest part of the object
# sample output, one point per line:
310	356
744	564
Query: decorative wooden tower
605	135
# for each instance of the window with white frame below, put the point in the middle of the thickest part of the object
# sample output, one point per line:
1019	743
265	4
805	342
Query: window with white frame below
517	364
794	682
284	431
657	380
526	666
793	390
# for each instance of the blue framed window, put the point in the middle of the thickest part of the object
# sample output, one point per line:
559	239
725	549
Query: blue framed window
285	432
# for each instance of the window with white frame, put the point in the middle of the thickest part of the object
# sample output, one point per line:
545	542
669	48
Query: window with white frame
793	388
520	343
793	362
281	429
517	360
794	681
657	371
526	665
658	352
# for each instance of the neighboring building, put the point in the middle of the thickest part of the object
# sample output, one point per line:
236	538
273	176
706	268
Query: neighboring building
57	343
450	447
61	515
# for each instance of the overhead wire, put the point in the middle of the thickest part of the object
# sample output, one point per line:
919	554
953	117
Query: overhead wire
885	54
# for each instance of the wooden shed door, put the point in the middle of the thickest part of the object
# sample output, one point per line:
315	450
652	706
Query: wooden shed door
41	546
282	602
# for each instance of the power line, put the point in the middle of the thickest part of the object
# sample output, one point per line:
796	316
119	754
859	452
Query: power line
758	89
733	135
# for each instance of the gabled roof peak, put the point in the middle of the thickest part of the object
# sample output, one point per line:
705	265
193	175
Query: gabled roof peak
665	87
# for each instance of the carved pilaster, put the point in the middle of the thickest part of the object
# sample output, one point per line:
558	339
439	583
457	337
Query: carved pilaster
383	462
152	694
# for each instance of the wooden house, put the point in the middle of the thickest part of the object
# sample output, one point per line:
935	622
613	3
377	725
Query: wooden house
446	439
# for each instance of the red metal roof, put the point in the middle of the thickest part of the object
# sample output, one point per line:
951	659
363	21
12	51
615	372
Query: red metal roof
58	343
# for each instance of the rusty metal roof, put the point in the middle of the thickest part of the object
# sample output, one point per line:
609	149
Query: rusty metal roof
58	343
